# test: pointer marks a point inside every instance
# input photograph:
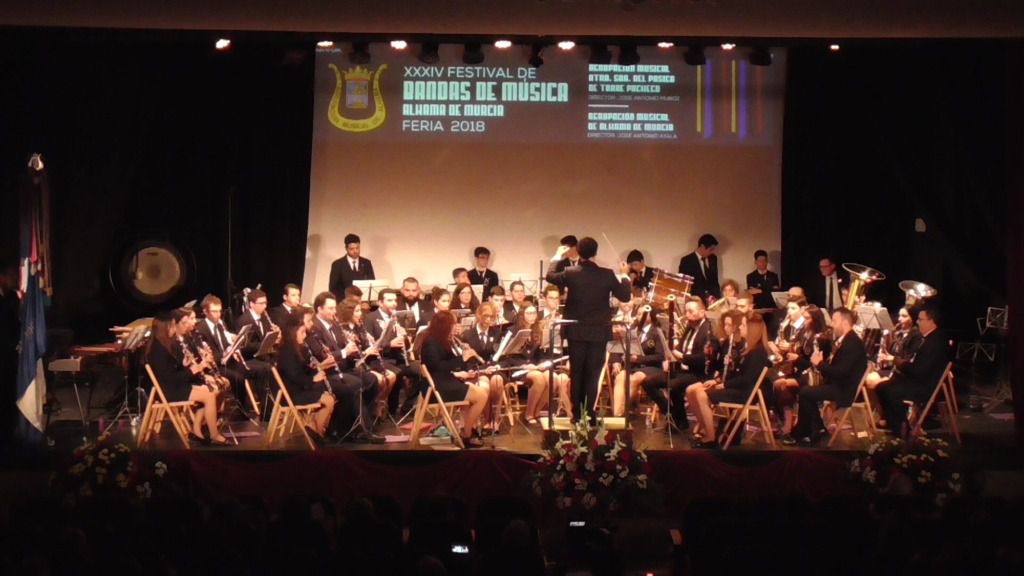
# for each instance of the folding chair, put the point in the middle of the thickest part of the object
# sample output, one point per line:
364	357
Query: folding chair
603	402
157	407
284	417
738	414
438	406
947	411
252	399
864	405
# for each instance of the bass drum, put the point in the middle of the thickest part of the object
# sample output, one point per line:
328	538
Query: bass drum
666	284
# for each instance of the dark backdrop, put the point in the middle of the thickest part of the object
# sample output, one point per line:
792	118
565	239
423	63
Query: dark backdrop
148	134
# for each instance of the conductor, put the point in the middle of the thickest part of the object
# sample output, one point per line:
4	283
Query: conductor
589	315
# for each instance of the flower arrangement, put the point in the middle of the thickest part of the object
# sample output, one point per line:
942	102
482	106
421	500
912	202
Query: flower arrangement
100	468
592	470
924	467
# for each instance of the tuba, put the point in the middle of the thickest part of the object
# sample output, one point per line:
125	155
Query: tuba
916	292
860	277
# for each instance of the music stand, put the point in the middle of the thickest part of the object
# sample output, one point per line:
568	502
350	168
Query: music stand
478	289
874	318
781	299
240	338
267	346
368	287
406	319
136	339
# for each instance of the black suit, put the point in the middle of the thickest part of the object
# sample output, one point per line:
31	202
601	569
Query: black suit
914	380
841	375
392	359
256	334
175	379
590	287
767	283
815	290
644	279
280	315
425	308
489	279
485	346
704	284
259	368
346	381
216	339
692	369
342	274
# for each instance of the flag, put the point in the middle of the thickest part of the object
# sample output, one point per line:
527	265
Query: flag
34	261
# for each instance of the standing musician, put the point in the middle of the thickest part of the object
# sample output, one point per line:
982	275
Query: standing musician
841	374
649	363
395	349
827	290
463	298
446	364
305	382
590	288
641	275
350	320
702	265
691	353
291	300
349	267
211	330
483	339
737	386
411	300
794	370
480	274
762	282
181	378
572	253
328	344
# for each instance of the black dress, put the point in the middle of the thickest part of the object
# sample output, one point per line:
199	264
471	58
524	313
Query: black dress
441	361
297	375
739	385
175	380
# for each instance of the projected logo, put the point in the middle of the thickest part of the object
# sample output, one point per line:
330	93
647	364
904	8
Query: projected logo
354	85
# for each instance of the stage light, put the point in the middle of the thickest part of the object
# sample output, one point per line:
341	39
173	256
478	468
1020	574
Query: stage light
428	53
760	56
599	54
325	44
360	53
399	44
222	44
628	56
666	44
728	46
566	44
502	44
833	47
472	53
695	56
536	60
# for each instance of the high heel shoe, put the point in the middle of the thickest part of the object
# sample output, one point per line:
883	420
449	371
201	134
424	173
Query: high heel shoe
198	439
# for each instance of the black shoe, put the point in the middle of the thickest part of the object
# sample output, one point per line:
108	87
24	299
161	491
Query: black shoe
374	438
787	440
709	445
315	436
473	442
198	439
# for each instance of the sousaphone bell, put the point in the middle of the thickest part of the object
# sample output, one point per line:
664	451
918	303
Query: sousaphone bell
916	292
860	277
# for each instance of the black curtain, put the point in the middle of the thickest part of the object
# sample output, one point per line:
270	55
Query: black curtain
150	136
882	134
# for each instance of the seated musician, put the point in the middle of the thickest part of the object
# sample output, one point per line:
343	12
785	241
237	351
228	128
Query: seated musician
793	370
181	378
539	376
452	379
497	298
738	386
348	382
200	350
915	379
745	305
650	362
460	276
481	275
258	370
515	305
639	273
212	331
483	339
350	318
463	298
411	300
395	352
841	374
691	367
305	383
898	347
291	300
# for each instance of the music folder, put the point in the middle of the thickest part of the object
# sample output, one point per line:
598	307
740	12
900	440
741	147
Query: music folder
781	299
240	338
512	345
370	288
874	318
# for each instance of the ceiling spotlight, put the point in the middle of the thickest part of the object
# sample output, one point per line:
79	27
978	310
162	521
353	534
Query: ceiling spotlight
502	44
728	46
428	53
665	44
325	44
566	44
760	56
360	53
695	56
599	54
628	56
222	44
399	44
472	53
833	47
536	60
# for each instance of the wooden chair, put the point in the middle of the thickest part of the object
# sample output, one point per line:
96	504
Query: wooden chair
252	399
947	410
424	405
864	405
157	407
738	414
285	416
